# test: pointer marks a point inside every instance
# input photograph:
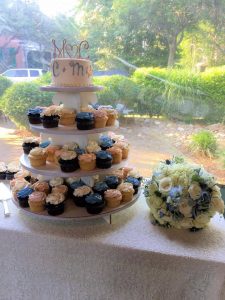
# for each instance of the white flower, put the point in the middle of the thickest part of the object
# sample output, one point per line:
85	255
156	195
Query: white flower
195	191
185	208
165	185
217	204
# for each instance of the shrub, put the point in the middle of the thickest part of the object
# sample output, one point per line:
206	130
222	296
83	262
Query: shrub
22	96
4	84
184	94
204	142
117	89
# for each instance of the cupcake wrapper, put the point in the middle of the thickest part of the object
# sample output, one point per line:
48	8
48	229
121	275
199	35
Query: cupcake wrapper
10	176
103	164
2	175
55	210
23	202
85	125
80	201
34	119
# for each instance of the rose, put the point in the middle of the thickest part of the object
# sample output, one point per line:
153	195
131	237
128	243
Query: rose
165	185
195	191
185	208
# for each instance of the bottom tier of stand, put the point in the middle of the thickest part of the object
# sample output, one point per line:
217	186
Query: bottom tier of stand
73	212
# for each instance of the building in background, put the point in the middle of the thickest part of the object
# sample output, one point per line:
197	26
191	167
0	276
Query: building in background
15	53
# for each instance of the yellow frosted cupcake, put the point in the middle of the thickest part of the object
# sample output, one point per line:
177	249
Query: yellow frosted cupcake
67	116
113	198
100	118
111	114
37	157
116	154
37	201
87	162
124	147
127	191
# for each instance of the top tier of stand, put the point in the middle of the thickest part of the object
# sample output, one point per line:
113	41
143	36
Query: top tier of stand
81	89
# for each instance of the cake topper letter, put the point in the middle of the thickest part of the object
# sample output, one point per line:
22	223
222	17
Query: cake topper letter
69	50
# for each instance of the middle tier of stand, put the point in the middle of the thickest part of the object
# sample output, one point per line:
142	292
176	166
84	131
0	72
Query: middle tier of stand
69	130
53	170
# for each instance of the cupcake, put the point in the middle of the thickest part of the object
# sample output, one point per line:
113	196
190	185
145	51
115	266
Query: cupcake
3	170
87	108
23	174
29	144
68	161
34	115
101	118
23	195
124	147
74	185
127	191
79	195
112	181
100	188
42	186
94	203
55	204
50	116
103	159
67	116
106	142
135	182
17	185
37	157
50	151
113	198
135	174
56	181
62	189
36	201
111	114
87	162
12	169
116	154
93	147
85	121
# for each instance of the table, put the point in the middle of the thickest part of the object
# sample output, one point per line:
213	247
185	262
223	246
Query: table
129	259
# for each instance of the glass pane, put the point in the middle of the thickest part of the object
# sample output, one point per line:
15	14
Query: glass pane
34	73
21	73
9	73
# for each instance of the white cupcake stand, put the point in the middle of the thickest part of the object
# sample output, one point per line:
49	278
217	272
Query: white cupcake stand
75	98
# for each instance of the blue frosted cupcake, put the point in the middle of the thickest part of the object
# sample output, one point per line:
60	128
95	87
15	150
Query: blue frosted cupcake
112	181
135	182
23	196
34	115
103	160
94	203
100	188
85	121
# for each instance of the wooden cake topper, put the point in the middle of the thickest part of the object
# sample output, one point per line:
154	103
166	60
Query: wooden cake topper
70	50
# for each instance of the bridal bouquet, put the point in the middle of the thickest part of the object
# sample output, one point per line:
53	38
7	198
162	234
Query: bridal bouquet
182	195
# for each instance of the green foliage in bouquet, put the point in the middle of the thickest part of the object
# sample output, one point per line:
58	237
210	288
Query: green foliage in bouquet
182	195
204	142
20	97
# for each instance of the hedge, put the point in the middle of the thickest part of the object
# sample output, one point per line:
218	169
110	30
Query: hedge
183	94
20	97
4	84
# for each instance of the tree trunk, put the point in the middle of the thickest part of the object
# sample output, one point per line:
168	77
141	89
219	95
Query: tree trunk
172	52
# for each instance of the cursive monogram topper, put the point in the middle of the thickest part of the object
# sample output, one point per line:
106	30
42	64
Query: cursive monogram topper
70	50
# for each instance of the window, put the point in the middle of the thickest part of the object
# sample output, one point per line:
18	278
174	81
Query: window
10	73
34	73
21	73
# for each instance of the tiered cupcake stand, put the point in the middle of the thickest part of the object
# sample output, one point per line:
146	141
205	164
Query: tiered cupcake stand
73	97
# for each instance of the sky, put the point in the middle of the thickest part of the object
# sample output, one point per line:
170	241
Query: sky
53	7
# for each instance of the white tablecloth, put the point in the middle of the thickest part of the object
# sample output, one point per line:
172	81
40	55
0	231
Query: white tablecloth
129	259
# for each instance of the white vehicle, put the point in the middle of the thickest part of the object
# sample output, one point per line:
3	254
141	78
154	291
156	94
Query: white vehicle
20	75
